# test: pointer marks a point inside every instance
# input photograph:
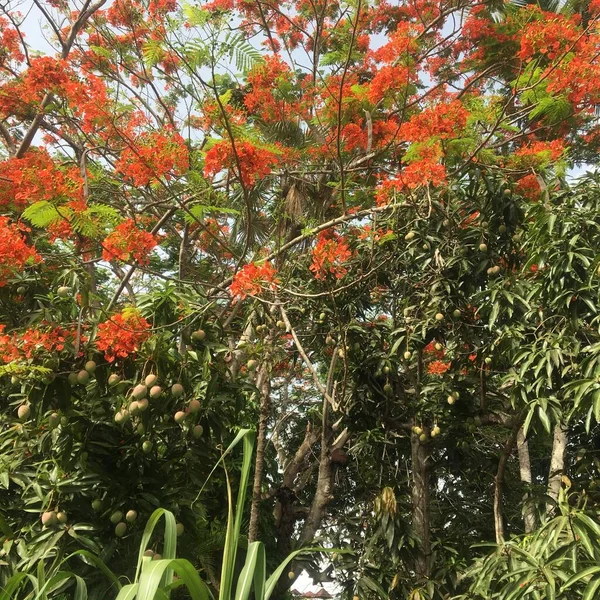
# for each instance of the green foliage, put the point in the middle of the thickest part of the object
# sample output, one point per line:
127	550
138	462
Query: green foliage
154	578
559	560
42	214
90	222
402	359
239	50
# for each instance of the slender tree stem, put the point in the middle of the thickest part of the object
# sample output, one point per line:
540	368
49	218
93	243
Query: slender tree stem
557	466
525	472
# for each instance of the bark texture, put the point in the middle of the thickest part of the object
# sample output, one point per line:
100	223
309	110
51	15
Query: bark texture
295	477
263	384
420	454
499	482
529	520
557	465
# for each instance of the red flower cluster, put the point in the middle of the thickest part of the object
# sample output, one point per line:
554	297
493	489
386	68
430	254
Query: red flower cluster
423	172
424	169
48	339
431	351
434	363
45	75
329	255
8	350
128	243
354	137
213	117
539	154
210	233
443	121
220	5
376	235
36	177
438	367
265	99
390	74
402	43
529	187
122	335
389	80
251	279
254	163
478	30
155	155
549	34
15	254
10	43
34	341
61	230
161	7
124	13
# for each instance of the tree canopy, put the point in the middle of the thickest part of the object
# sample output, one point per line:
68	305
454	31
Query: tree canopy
367	230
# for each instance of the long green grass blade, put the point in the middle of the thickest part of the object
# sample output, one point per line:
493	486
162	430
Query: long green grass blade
80	589
170	543
242	433
56	581
248	573
41	580
14	583
581	575
98	563
272	581
260	573
227	565
591	589
234	523
128	592
153	572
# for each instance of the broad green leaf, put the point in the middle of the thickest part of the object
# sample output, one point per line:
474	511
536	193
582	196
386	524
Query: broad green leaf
544	419
14	583
234	522
128	592
248	574
591	591
153	572
170	539
585	573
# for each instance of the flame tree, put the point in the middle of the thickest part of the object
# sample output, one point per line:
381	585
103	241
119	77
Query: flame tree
347	224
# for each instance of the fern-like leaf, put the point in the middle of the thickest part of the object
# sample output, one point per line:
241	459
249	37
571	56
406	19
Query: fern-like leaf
242	53
153	53
199	211
552	110
41	214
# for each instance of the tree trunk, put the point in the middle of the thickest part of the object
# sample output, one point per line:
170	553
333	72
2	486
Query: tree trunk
499	478
263	383
499	481
323	493
420	505
525	471
287	512
557	466
182	274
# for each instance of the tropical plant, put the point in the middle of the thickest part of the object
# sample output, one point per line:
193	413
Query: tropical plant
558	560
155	573
352	225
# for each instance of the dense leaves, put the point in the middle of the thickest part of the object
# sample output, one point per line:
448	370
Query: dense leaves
360	228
